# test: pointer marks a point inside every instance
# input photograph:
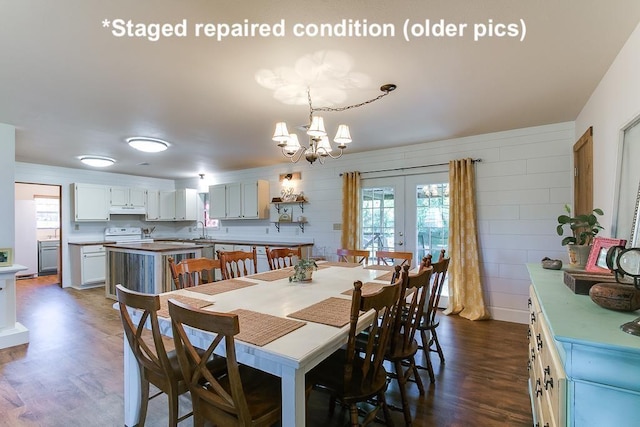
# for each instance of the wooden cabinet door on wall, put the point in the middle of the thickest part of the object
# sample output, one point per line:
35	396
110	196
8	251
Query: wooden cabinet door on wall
583	174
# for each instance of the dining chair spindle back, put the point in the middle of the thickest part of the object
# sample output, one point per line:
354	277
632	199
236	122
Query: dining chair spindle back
282	257
238	263
356	374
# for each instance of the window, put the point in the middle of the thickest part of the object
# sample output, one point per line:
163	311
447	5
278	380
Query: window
47	212
432	213
377	219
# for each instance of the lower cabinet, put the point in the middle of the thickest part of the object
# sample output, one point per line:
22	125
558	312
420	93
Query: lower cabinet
583	370
88	266
547	379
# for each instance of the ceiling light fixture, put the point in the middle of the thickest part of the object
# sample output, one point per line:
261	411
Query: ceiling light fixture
148	145
97	161
319	146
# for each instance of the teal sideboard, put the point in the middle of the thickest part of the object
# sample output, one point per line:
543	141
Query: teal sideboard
596	377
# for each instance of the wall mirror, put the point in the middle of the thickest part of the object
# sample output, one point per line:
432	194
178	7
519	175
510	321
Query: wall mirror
627	221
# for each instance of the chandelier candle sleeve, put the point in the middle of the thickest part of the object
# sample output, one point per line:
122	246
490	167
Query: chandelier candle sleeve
319	146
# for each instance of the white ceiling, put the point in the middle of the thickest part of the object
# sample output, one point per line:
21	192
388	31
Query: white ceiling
72	88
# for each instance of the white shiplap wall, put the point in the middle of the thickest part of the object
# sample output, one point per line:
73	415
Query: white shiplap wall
523	182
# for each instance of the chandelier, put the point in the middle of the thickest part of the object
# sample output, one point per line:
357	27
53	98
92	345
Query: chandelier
319	146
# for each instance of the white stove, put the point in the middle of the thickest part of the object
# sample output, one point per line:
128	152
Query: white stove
125	235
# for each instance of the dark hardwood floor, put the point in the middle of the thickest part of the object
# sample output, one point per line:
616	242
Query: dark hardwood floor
70	373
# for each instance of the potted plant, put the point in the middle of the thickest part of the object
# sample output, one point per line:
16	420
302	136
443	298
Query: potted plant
583	228
303	270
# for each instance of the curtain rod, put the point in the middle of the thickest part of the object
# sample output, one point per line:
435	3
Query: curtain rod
415	167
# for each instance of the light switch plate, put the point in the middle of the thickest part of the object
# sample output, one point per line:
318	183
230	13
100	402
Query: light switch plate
337	226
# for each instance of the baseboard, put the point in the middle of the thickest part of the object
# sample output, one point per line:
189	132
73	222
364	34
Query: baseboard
509	315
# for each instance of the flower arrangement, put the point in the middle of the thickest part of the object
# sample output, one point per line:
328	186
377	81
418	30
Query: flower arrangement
303	270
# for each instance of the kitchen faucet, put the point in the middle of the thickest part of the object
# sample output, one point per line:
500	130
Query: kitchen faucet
204	229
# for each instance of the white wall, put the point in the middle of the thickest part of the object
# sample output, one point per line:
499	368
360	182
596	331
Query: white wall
613	105
7	187
523	182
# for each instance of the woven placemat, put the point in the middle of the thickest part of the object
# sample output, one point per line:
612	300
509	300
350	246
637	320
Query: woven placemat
220	287
331	311
260	329
195	302
386	276
341	264
270	276
367	288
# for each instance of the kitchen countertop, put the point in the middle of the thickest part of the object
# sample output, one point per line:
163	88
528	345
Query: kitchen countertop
274	243
94	242
155	246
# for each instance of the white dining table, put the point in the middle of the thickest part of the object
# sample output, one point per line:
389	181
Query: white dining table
289	357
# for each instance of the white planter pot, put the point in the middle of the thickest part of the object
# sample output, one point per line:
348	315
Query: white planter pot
578	255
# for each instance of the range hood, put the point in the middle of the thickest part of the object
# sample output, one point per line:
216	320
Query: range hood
127	210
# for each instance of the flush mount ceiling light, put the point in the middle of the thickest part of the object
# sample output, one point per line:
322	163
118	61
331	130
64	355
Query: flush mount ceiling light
319	146
97	161
148	145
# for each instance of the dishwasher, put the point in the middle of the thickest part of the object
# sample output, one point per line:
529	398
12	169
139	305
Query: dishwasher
48	253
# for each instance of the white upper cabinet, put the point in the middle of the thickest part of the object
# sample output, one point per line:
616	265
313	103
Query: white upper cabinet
91	202
153	205
240	200
125	198
186	204
167	205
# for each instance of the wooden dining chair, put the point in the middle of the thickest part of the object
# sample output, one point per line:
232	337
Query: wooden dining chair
193	271
353	255
353	374
392	258
429	321
156	365
238	263
282	257
403	345
244	396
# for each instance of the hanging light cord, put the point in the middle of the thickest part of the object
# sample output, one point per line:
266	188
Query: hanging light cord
386	89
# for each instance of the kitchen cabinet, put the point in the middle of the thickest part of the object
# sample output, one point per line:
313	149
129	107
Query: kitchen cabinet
128	197
91	202
48	254
240	200
186	204
172	205
153	205
167	205
584	371
88	265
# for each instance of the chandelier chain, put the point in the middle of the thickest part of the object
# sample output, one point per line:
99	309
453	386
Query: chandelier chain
345	108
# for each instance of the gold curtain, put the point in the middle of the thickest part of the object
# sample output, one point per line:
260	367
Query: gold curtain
465	288
350	210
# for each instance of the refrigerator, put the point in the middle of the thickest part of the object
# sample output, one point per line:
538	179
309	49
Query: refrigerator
26	240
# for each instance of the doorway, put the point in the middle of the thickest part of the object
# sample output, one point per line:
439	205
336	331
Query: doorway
38	230
406	213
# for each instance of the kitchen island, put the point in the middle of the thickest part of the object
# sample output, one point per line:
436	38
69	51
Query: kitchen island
143	267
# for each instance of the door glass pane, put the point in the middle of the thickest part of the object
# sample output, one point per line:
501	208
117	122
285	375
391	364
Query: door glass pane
432	213
378	220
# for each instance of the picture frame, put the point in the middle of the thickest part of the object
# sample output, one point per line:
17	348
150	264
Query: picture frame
6	257
597	261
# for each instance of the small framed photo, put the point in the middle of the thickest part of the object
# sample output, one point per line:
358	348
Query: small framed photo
597	262
6	257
